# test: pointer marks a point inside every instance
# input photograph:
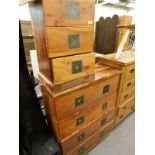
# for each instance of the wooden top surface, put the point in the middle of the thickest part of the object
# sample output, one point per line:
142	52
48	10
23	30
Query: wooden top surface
102	72
126	58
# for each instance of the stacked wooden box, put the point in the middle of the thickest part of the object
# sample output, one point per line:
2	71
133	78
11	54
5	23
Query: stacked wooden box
79	96
126	93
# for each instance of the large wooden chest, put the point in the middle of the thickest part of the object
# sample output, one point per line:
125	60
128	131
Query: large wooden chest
68	12
77	113
126	92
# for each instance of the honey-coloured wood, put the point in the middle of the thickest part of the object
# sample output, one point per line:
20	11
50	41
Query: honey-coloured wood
77	138
72	67
68	12
92	140
62	41
82	118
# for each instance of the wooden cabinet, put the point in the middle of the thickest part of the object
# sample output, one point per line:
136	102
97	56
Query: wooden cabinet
79	112
126	92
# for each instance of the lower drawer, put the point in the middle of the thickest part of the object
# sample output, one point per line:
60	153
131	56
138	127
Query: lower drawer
125	110
79	137
82	118
125	96
92	140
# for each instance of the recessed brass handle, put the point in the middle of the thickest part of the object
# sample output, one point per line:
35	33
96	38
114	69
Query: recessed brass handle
128	84
80	120
103	121
102	134
124	107
79	101
104	106
76	67
81	150
81	137
126	96
106	88
132	70
121	116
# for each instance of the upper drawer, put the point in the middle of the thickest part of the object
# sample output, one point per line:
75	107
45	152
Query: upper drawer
81	119
72	67
69	13
94	139
62	41
68	104
130	72
128	84
81	136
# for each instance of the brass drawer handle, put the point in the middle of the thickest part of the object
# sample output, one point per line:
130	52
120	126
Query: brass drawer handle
81	137
73	41
103	121
80	120
104	106
76	67
121	116
106	89
102	134
124	107
81	150
126	96
128	84
79	101
132	70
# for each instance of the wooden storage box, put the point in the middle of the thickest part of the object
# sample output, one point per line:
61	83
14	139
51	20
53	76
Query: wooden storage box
78	137
72	67
68	13
63	41
93	140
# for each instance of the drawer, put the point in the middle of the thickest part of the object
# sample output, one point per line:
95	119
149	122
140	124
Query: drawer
63	41
130	72
129	84
79	137
82	118
80	99
72	67
125	96
26	28
125	110
93	140
68	13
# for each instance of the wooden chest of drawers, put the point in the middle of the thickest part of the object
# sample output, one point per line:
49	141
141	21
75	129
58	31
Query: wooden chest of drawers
68	13
78	113
62	41
126	92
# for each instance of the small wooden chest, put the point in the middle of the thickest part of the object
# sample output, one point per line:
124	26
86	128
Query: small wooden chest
68	12
62	41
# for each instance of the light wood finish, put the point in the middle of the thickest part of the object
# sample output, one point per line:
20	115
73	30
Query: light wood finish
57	39
93	140
69	126
78	137
125	63
62	67
125	109
55	12
22	2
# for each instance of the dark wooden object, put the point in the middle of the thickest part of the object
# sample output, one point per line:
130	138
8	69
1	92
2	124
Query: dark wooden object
106	33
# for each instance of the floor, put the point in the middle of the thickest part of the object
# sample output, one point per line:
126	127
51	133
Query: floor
121	141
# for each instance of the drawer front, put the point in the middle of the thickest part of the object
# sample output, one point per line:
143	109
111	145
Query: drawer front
26	28
93	140
129	84
81	119
78	100
81	136
125	110
72	67
69	13
63	41
130	72
125	96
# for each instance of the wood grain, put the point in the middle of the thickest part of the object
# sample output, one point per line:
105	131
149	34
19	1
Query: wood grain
58	42
55	13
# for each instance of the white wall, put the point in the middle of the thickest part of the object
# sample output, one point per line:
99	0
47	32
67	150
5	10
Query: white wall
24	12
